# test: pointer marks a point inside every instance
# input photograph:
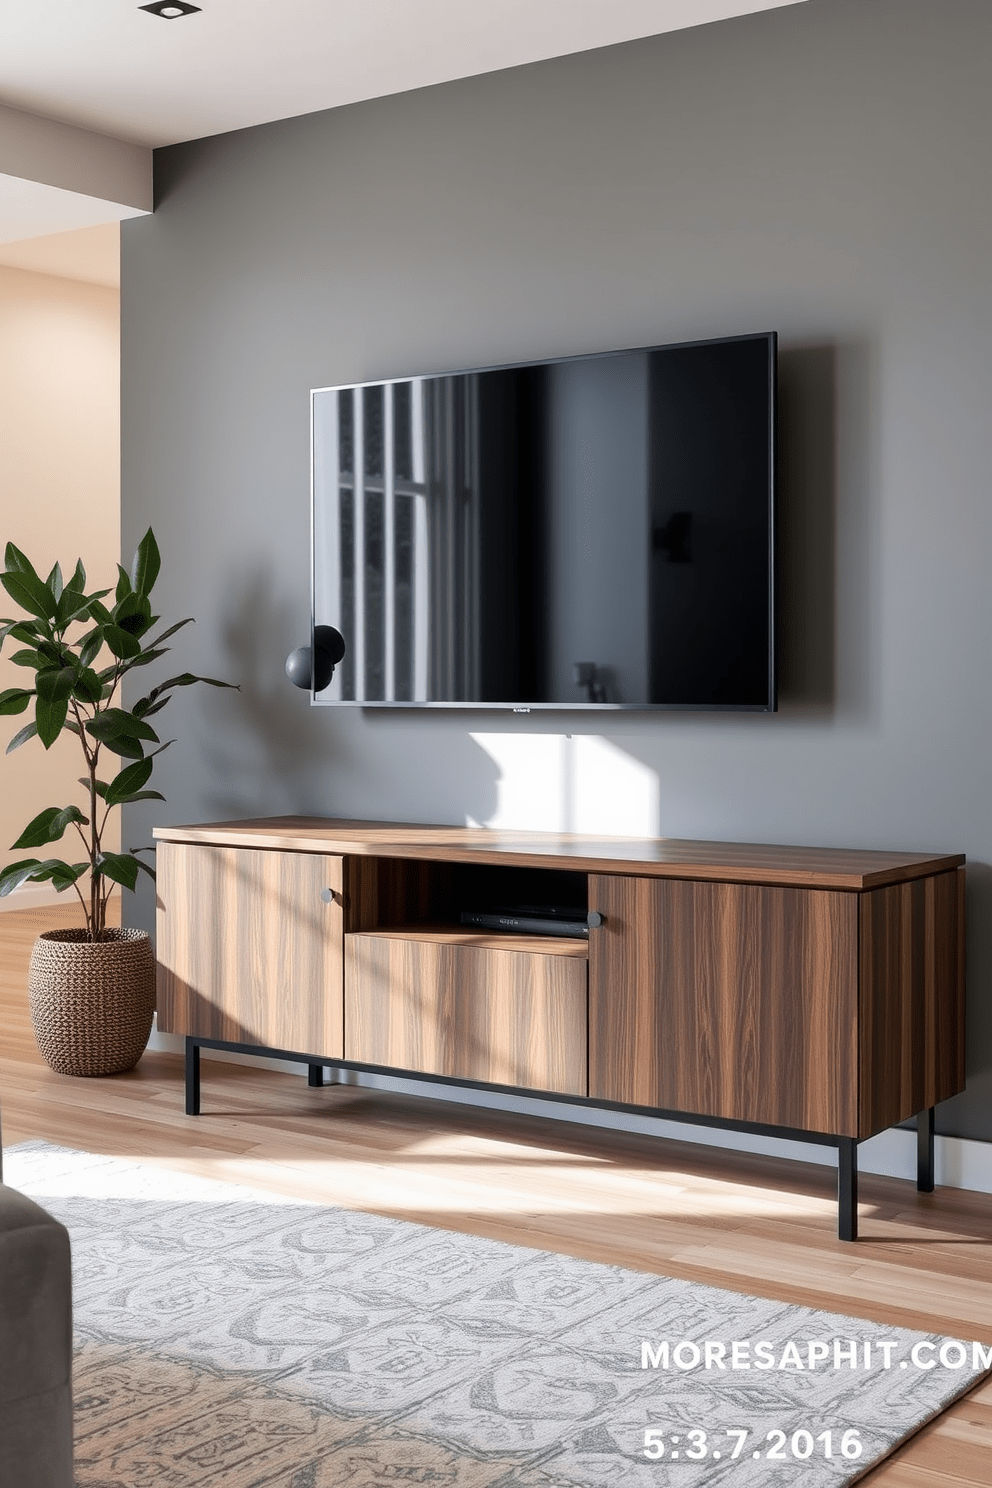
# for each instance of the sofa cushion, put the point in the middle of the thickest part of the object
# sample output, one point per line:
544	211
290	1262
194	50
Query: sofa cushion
35	1299
35	1346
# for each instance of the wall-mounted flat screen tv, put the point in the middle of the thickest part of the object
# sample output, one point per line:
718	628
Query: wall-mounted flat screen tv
594	532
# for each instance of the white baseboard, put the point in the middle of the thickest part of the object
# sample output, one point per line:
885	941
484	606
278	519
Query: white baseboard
39	896
959	1162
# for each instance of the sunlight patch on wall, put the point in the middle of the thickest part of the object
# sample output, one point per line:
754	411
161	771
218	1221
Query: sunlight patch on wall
569	783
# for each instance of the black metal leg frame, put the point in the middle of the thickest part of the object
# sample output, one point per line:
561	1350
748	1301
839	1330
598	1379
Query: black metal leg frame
315	1068
847	1173
924	1150
847	1147
847	1188
192	1077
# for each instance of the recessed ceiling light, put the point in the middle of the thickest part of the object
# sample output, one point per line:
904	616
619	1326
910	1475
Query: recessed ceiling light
170	10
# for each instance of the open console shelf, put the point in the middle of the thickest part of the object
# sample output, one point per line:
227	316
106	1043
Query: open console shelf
816	993
387	892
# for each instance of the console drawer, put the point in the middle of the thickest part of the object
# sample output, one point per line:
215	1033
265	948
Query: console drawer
450	1003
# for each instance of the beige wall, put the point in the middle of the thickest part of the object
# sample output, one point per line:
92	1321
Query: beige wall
59	485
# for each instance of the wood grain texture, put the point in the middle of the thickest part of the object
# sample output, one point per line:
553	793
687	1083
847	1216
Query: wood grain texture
248	951
813	867
491	940
725	1000
912	998
380	892
447	1006
731	1219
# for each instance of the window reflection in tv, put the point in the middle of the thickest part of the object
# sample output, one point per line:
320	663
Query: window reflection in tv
593	532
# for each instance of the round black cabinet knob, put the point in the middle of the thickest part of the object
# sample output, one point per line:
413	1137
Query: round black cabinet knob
594	919
316	665
298	667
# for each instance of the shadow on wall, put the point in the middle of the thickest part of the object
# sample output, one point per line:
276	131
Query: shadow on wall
807	539
277	755
828	584
267	763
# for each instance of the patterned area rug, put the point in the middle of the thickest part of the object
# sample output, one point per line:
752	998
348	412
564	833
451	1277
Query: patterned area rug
227	1338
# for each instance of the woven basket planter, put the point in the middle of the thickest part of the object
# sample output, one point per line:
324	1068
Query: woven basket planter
92	1001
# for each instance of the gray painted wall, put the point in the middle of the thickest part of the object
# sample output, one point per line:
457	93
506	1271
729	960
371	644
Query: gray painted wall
822	170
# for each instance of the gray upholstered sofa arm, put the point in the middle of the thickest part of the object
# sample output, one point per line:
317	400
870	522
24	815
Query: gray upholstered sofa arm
35	1347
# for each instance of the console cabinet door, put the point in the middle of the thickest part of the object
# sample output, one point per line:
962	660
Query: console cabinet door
248	951
729	1000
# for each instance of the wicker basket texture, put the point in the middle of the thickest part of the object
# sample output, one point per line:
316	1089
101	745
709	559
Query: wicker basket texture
92	1001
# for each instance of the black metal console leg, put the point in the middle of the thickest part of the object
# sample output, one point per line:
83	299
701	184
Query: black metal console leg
315	1075
192	1078
847	1188
924	1150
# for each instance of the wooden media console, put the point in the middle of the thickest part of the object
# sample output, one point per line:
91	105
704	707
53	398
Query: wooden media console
804	992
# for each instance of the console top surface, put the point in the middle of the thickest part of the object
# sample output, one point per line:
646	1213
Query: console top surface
654	857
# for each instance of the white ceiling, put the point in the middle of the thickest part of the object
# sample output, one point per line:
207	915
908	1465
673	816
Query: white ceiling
109	66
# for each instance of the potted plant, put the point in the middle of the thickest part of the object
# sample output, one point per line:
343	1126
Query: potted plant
92	989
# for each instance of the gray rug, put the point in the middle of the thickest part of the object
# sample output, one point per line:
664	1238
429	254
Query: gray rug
227	1338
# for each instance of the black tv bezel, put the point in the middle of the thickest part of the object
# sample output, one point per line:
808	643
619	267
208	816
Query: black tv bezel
771	706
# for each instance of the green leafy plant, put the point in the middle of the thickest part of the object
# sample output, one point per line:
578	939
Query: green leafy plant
80	651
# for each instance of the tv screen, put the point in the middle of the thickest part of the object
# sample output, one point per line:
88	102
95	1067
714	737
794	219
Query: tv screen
595	532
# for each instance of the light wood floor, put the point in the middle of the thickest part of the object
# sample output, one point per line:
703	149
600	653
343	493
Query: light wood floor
752	1224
